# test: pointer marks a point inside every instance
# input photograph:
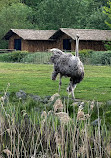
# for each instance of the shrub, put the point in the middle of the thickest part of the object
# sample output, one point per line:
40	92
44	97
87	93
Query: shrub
107	45
18	55
101	57
85	55
15	56
37	58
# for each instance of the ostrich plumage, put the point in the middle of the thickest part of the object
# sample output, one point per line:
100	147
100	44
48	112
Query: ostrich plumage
68	65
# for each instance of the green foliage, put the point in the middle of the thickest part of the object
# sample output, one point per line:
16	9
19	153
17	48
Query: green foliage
14	16
96	20
107	11
77	14
37	58
107	45
16	56
103	58
6	3
53	14
85	55
33	3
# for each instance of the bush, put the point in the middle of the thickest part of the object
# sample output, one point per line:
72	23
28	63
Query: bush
15	56
107	45
37	58
101	57
85	55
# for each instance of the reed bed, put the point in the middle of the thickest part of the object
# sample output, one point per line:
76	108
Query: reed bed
54	133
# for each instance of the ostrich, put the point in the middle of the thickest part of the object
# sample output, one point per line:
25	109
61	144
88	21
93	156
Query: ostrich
68	65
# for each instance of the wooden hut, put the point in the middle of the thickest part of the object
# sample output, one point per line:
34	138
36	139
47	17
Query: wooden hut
29	40
64	39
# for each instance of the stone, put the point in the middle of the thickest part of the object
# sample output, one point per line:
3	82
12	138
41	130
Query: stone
46	99
35	97
21	95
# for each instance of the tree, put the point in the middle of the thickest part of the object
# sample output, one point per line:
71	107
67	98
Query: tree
32	3
96	20
6	3
107	11
15	16
53	14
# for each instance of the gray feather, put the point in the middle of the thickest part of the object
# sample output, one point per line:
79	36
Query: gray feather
67	65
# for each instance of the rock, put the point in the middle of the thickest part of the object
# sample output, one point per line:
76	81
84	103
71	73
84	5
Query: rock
46	99
21	95
63	116
35	97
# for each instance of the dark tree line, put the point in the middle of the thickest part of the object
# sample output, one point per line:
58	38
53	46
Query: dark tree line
53	14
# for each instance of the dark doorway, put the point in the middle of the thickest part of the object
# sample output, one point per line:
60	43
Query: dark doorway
17	44
66	44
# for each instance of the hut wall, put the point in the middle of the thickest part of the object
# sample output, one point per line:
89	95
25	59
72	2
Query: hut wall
93	45
35	46
24	43
59	42
11	41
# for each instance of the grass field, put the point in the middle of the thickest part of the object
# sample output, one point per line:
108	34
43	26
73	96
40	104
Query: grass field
36	79
31	128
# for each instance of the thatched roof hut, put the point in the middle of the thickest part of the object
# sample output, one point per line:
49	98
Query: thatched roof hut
64	38
85	34
28	34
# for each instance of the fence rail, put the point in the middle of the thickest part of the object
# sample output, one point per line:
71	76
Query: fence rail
7	50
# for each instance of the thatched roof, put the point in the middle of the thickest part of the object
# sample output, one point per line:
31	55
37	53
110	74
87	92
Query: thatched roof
84	34
29	34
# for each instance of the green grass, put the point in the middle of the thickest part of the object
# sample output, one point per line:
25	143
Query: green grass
36	79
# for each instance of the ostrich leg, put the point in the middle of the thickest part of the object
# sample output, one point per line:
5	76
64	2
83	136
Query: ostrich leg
60	83
73	88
